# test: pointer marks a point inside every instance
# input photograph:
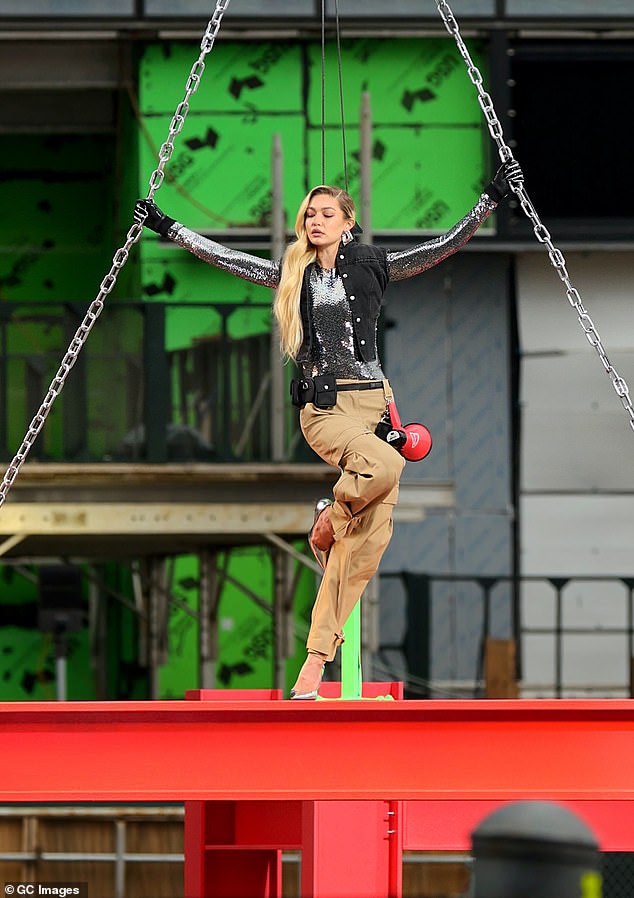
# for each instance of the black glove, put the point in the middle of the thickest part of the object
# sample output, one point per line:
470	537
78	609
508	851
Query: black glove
146	212
508	175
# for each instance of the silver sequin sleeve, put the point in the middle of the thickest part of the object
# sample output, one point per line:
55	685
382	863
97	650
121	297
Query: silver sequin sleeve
408	262
243	265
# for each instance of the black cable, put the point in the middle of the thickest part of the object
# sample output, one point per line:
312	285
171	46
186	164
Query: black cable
323	91
343	124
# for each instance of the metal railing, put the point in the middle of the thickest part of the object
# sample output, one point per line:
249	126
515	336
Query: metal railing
517	608
134	397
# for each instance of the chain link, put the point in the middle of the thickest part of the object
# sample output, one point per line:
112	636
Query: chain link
119	260
541	232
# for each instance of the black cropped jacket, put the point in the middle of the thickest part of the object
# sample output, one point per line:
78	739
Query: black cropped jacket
364	272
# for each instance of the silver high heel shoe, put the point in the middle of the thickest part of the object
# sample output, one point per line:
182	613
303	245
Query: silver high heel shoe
308	695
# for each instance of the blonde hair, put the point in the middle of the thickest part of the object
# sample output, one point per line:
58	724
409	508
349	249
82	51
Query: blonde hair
297	258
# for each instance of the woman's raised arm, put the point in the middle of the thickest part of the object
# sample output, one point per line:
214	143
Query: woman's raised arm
416	259
243	265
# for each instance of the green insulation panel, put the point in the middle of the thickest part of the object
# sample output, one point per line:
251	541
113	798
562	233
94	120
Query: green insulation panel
60	190
245	632
412	83
103	385
27	656
28	666
430	155
180	279
220	174
420	189
55	248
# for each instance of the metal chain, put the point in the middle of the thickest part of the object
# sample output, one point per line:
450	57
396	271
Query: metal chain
119	259
323	94
541	232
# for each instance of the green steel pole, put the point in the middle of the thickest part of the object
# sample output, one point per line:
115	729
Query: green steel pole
351	674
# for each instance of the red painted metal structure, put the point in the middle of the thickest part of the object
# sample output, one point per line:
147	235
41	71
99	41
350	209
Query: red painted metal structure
350	784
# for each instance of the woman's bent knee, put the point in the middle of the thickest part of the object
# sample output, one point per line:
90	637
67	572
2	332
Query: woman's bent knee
375	466
387	470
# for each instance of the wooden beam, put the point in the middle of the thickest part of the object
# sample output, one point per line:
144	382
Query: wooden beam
499	669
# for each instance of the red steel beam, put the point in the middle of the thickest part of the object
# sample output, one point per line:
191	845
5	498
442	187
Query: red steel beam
447	825
385	750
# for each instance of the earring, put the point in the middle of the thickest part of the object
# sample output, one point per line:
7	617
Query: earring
346	238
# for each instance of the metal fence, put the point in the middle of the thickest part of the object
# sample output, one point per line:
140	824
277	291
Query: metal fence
138	394
568	632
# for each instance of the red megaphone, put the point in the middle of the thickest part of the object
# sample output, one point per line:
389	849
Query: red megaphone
413	441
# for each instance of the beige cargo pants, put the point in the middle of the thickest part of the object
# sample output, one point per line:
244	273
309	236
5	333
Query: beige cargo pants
364	497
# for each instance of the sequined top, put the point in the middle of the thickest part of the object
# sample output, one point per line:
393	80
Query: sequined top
333	351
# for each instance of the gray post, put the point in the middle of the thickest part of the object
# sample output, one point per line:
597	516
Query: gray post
278	240
280	622
279	667
120	850
208	618
153	627
366	169
60	669
157	605
97	618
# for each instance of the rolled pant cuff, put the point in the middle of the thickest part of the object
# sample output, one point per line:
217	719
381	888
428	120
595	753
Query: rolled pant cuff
328	650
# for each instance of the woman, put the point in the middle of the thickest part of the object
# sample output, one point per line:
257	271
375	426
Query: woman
329	292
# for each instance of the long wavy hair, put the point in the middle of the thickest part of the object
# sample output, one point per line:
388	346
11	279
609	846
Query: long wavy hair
297	257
